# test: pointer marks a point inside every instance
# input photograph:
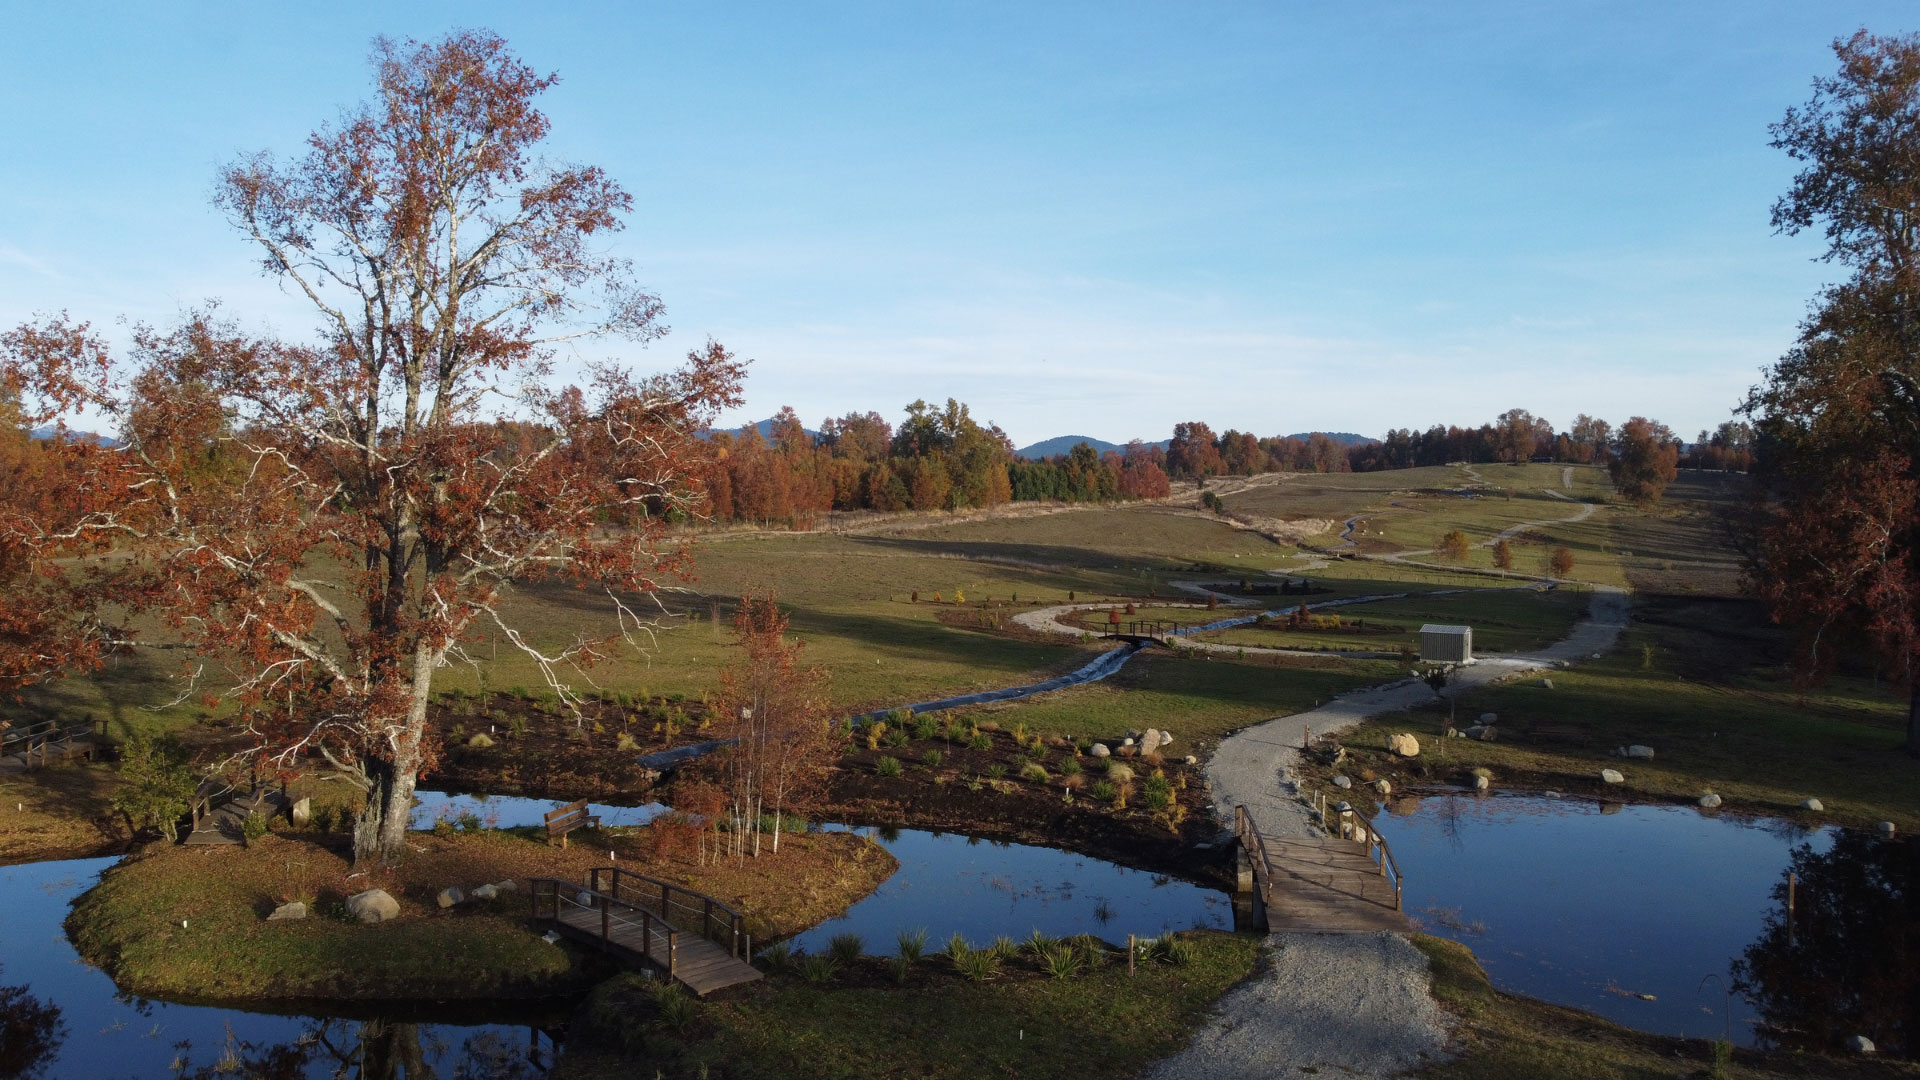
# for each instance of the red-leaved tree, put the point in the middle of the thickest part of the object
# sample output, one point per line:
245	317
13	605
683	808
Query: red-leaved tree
1834	533
778	716
331	519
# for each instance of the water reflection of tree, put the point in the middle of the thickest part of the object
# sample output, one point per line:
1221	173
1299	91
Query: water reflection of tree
31	1032
368	1050
1850	962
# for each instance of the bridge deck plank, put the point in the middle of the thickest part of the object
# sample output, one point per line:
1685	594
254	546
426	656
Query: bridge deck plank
1327	885
701	964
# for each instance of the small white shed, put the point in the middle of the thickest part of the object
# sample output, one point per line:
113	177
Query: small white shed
1446	644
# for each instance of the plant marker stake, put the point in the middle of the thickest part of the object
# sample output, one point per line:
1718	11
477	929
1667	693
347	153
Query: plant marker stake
1130	950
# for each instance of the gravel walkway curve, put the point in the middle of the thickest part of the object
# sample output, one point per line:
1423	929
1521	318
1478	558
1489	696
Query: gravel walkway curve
1354	1005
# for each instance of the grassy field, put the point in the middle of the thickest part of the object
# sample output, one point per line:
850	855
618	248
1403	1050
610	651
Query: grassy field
1503	620
859	1023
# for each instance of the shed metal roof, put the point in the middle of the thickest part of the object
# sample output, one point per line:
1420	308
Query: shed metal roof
1438	628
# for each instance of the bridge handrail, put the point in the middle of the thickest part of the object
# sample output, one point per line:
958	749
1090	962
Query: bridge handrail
719	923
556	890
1382	856
1249	836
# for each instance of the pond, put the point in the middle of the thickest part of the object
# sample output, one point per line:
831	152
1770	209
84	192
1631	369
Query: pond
515	811
982	889
1620	910
60	1018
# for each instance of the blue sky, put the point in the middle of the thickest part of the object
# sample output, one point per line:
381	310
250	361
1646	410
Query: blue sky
1094	219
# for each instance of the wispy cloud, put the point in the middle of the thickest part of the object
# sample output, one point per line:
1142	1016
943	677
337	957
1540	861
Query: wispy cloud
13	256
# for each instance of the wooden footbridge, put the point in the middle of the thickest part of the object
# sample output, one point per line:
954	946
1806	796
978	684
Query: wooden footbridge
1143	631
1321	885
49	742
696	940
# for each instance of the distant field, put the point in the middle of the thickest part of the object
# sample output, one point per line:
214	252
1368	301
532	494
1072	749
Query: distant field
851	599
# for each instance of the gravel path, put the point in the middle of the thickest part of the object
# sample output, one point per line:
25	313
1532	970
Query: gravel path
1346	1005
1353	1005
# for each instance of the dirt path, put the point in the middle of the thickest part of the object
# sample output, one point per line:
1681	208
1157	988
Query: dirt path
1355	1005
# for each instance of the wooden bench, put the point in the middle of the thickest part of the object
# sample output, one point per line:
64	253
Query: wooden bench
568	818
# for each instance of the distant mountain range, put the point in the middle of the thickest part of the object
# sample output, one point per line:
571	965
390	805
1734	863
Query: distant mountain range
1064	444
49	431
765	428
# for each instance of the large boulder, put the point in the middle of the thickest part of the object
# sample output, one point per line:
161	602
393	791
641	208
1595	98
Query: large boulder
486	892
1610	776
293	910
1489	719
1100	750
1709	801
302	812
1342	783
1860	1044
1644	753
1887	829
1481	783
1404	745
508	886
450	896
373	906
1382	786
1166	739
1483	732
1149	742
1813	804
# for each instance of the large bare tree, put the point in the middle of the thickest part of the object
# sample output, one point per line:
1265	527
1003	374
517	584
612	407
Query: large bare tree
332	518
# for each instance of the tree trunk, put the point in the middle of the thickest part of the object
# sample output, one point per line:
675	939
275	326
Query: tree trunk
368	827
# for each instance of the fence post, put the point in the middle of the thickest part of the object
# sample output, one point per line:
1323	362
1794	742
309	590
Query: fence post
1130	951
606	916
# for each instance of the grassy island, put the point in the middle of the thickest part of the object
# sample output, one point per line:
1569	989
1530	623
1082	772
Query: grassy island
191	922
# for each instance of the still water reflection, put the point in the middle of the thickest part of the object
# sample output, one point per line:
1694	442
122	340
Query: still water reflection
63	1020
1623	911
984	889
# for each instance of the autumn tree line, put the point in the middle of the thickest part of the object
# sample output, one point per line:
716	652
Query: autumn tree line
940	458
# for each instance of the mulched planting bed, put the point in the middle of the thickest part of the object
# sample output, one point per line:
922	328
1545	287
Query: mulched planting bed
542	751
980	784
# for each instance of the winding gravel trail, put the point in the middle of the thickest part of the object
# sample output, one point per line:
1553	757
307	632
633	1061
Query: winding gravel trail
1354	1005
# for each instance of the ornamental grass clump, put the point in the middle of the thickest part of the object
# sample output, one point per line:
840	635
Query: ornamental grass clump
1035	773
887	766
1101	790
818	970
912	945
1060	962
846	948
977	965
980	741
777	958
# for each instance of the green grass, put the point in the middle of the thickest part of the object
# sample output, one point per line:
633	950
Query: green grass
1198	700
1097	1023
1718	714
1504	620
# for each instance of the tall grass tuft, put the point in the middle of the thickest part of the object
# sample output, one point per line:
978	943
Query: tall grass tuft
846	948
777	957
887	766
912	945
818	970
977	965
1060	962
